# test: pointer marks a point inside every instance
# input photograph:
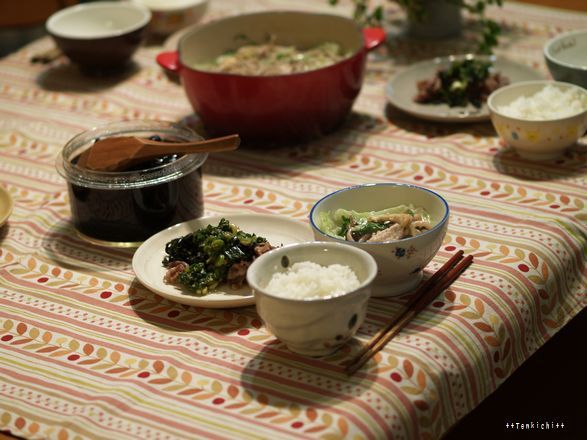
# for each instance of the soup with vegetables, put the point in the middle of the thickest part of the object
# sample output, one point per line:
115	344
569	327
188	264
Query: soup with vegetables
389	224
273	59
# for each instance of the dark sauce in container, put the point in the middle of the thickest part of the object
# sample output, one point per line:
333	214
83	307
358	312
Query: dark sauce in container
124	208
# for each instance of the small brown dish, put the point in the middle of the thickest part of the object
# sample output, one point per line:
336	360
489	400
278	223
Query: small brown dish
124	208
99	36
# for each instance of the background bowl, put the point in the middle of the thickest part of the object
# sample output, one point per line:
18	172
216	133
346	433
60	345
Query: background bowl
172	15
99	35
277	108
566	57
535	139
121	209
314	326
399	262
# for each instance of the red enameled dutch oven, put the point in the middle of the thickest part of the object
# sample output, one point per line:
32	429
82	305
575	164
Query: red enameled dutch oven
277	108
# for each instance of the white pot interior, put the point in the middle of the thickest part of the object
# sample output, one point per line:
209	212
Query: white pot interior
303	30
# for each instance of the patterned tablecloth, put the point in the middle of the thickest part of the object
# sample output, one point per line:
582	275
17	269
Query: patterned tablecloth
87	352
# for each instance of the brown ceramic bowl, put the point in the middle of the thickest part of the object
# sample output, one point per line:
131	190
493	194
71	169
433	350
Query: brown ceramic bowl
99	35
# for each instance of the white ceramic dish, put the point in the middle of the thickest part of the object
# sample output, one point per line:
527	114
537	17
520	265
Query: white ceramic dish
6	204
172	15
314	326
537	139
402	88
147	259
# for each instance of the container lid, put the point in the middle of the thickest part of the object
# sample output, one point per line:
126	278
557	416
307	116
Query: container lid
120	180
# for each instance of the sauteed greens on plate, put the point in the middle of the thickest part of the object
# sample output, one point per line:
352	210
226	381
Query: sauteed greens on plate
469	81
203	259
388	224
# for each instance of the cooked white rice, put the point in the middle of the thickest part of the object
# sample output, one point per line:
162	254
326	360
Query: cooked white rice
549	103
307	279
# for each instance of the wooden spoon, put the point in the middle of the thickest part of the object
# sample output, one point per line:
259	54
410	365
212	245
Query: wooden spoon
115	153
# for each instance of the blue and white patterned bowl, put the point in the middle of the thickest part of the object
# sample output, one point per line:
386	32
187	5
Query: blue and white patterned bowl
400	263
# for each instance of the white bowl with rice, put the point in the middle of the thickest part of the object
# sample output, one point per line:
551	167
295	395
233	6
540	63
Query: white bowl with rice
312	296
539	119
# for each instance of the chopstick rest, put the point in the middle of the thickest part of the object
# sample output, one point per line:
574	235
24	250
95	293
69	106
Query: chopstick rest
427	291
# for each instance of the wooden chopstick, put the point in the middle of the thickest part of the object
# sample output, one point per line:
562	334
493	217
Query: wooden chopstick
415	297
429	290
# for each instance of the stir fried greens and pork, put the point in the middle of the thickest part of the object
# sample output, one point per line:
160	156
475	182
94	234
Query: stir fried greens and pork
465	82
203	259
375	226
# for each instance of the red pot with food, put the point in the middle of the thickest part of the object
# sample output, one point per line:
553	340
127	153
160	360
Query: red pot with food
273	76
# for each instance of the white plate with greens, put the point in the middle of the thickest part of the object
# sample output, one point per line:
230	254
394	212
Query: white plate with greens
402	88
147	261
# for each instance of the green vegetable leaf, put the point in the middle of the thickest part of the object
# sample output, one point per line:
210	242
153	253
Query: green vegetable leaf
210	252
344	227
366	228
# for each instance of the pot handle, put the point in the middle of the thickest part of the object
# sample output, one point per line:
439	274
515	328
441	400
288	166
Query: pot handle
169	60
374	37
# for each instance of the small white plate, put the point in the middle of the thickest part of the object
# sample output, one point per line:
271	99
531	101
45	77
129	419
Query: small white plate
6	204
402	88
148	267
